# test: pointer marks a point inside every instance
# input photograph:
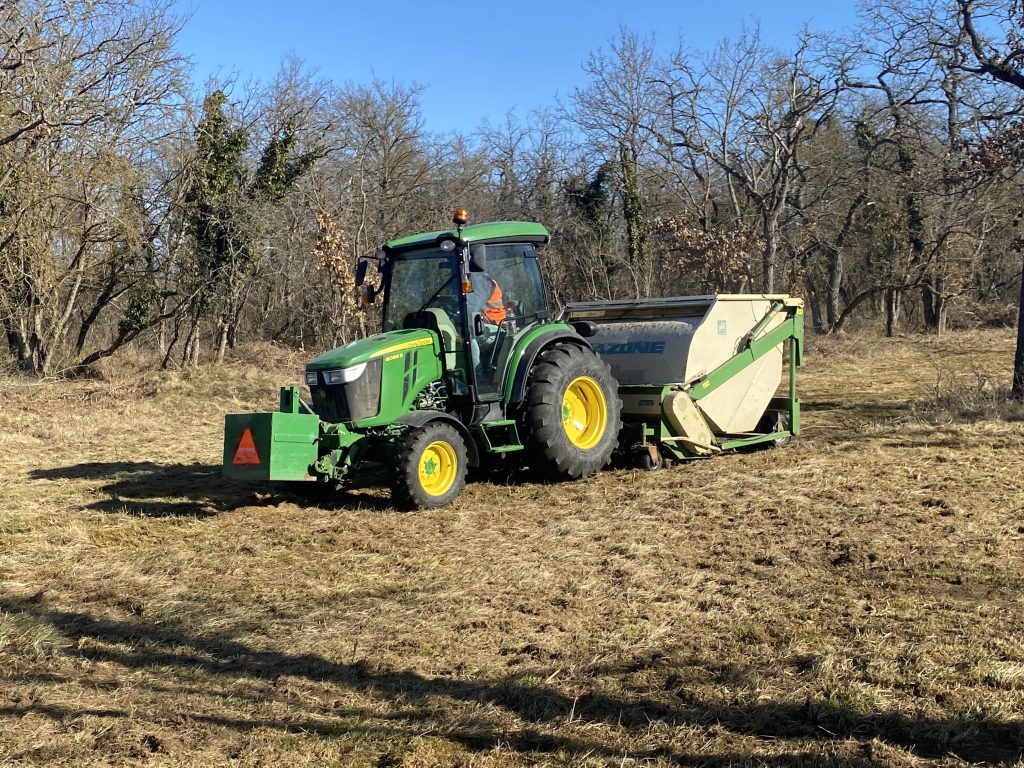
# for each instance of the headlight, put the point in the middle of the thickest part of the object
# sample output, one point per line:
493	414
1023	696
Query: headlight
311	378
344	375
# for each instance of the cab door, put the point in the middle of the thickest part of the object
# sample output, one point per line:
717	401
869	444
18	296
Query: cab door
515	268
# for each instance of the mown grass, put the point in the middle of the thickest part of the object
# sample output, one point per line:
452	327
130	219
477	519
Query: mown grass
853	599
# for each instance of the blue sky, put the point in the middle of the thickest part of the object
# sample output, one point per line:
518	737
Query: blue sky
477	60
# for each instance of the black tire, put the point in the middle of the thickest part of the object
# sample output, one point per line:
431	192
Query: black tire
781	423
552	453
437	442
651	463
775	421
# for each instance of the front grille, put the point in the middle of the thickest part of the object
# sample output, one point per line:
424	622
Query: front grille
331	403
359	399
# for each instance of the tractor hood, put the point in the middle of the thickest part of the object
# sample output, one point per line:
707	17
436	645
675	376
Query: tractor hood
372	347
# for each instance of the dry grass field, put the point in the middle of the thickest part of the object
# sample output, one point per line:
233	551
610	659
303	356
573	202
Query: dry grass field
855	599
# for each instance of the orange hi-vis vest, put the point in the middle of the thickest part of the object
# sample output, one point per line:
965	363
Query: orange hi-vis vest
494	309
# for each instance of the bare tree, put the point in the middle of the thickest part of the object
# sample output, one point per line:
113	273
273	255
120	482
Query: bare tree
86	91
1003	62
619	112
750	113
388	172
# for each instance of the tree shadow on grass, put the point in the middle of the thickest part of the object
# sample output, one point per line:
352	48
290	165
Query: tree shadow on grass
148	489
136	644
527	740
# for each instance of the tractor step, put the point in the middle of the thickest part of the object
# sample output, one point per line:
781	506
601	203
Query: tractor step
500	436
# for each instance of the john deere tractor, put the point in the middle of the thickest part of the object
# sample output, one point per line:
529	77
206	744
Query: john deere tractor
468	367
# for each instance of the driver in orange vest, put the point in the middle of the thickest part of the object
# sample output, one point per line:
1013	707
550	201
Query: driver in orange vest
494	308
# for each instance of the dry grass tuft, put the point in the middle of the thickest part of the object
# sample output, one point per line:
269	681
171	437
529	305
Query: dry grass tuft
852	600
970	395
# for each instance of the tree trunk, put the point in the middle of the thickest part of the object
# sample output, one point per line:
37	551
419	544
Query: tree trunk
915	230
194	350
161	329
835	282
40	356
222	341
1017	390
190	355
931	304
814	305
892	311
17	343
771	249
934	304
170	346
633	213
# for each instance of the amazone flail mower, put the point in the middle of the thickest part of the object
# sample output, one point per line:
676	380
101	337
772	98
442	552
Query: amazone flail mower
470	366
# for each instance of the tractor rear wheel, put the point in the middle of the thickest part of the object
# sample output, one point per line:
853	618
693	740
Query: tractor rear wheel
571	417
431	467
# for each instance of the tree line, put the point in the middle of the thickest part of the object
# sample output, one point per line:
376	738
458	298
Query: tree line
878	175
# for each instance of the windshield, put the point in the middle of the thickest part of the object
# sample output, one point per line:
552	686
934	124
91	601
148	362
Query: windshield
421	279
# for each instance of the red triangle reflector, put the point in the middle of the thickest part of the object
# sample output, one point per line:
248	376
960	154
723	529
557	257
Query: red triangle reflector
246	452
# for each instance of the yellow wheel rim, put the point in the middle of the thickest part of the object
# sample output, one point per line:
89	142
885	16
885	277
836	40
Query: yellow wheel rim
584	412
438	468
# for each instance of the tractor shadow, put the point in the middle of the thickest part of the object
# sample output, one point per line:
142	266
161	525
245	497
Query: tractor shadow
414	702
148	489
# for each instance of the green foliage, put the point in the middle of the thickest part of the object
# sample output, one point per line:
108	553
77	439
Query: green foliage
279	169
219	180
221	148
633	209
592	197
865	134
137	314
222	189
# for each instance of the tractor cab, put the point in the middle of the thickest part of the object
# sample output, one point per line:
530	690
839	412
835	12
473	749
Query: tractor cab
479	288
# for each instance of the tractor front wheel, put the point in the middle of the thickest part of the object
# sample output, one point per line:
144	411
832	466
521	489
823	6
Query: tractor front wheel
572	412
431	467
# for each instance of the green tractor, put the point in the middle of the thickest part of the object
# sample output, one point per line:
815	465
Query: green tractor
468	367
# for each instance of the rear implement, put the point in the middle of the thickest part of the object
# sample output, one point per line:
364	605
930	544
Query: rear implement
699	375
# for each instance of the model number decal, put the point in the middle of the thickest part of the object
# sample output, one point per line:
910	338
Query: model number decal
631	348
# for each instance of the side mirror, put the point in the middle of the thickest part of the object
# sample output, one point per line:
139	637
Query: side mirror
367	293
361	267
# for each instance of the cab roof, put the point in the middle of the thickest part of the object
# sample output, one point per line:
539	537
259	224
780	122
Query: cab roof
489	232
